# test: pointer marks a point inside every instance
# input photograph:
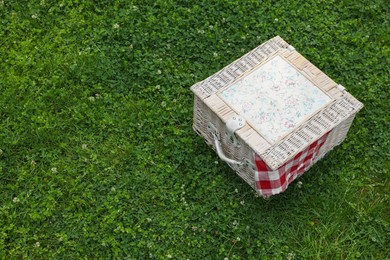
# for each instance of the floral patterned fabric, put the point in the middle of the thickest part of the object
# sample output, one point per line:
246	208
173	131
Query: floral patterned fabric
274	98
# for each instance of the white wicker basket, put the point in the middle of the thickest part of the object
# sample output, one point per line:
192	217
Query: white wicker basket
271	115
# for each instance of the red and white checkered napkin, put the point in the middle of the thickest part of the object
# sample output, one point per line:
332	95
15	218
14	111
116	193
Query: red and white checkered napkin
271	182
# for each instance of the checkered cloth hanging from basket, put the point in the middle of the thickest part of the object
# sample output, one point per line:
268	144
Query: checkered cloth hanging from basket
271	182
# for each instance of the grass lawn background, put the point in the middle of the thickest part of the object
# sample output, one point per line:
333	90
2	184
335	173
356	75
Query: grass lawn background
98	158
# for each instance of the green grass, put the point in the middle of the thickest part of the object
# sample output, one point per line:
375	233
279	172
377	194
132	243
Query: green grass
98	158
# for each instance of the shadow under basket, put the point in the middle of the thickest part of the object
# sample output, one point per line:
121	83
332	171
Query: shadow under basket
271	115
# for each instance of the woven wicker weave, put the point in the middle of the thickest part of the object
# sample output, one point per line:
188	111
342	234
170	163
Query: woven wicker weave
210	108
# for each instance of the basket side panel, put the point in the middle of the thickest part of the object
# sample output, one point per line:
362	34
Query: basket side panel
203	115
336	137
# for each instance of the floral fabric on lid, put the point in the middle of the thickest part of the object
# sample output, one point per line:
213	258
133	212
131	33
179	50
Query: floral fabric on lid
274	98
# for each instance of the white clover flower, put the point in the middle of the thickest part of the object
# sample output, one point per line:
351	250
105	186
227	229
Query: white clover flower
84	146
15	200
37	244
54	170
115	26
149	220
113	189
290	256
159	72
236	190
299	184
34	16
163	104
242	202
92	99
215	54
169	256
238	239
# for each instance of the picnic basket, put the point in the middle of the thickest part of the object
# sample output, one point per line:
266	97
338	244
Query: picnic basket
271	115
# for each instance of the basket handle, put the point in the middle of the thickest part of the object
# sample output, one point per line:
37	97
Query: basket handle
220	153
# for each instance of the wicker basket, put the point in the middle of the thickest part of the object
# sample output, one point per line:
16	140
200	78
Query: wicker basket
271	115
